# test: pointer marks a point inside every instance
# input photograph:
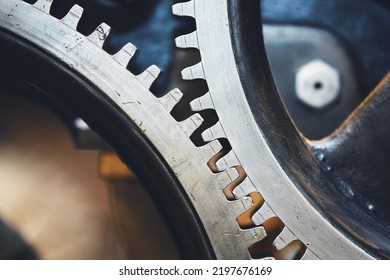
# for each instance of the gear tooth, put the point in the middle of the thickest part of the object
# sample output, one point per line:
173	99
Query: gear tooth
239	193
72	18
280	243
263	214
170	99
226	177
252	204
210	150
213	133
188	41
284	238
43	5
228	161
247	202
100	34
149	76
244	189
215	146
191	124
202	103
193	72
184	9
125	54
229	189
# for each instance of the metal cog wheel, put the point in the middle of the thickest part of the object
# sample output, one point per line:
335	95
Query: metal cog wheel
289	188
52	55
254	200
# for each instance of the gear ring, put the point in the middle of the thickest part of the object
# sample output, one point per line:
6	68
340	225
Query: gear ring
276	158
54	45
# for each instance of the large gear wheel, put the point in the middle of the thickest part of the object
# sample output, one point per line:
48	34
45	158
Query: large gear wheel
295	207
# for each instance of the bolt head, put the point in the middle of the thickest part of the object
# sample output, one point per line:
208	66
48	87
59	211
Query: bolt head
317	84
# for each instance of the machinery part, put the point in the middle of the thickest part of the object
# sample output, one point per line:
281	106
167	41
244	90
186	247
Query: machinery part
297	194
317	84
148	24
49	45
359	24
289	48
277	219
119	106
359	161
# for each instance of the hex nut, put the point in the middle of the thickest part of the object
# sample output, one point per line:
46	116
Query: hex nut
317	84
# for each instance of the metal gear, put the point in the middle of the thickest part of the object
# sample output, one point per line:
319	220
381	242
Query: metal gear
253	200
275	160
30	27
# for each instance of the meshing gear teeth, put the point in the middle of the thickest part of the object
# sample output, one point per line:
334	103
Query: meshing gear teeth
191	124
229	190
85	56
297	239
227	177
239	190
202	103
228	161
256	202
263	214
284	238
214	132
266	234
210	149
243	189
